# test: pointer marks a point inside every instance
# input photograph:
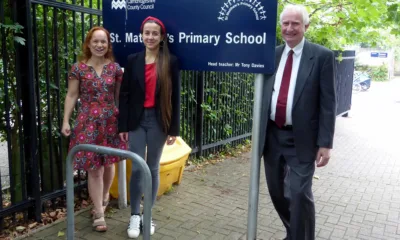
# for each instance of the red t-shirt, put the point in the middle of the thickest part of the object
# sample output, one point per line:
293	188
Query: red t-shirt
150	82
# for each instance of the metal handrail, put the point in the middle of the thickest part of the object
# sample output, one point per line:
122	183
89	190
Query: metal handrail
136	159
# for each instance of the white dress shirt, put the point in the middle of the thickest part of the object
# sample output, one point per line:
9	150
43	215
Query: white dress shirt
298	50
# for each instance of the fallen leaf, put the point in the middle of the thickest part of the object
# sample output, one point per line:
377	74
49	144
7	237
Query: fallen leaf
84	203
20	229
53	214
112	210
32	225
60	234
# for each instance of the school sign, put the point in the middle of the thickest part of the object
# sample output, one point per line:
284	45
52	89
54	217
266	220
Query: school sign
206	35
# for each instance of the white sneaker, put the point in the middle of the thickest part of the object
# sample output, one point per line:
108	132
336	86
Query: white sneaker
152	224
134	226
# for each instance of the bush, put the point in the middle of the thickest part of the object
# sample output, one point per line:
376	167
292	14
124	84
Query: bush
377	73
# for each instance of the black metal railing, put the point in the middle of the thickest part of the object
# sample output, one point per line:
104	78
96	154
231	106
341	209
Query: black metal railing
216	110
39	40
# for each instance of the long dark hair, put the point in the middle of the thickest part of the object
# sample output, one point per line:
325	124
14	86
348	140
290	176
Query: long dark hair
164	76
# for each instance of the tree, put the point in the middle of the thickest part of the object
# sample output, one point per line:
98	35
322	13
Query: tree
339	23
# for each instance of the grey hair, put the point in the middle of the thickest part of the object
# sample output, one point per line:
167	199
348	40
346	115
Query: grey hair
297	9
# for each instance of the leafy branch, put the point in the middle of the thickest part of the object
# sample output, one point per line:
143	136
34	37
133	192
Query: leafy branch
328	6
15	28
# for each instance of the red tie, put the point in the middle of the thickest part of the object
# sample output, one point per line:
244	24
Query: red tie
280	114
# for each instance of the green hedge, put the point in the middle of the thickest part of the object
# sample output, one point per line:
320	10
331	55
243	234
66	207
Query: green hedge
377	73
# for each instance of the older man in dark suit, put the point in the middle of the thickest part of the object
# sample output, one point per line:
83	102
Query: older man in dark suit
297	123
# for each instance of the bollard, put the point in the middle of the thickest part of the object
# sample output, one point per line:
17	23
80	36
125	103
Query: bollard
136	159
122	202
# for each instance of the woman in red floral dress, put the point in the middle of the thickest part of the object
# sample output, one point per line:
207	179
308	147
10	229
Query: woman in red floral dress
96	81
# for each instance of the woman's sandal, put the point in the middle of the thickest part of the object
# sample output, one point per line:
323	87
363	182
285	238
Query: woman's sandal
99	226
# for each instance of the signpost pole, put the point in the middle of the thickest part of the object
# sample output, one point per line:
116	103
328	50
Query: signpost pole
255	160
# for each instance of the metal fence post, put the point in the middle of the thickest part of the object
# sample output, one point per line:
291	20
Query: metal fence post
26	84
199	113
136	159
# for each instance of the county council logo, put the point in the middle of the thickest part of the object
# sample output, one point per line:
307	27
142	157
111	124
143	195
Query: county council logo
118	4
254	5
133	4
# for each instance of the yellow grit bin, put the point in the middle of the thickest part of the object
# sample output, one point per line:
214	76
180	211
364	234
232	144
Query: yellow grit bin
172	164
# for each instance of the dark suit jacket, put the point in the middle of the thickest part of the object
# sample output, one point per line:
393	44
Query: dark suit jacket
314	101
132	95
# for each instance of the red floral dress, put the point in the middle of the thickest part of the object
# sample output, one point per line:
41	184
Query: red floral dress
96	122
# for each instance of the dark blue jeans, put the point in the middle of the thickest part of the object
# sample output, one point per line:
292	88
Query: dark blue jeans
149	134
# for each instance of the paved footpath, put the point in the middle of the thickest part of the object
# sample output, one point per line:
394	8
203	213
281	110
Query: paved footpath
357	195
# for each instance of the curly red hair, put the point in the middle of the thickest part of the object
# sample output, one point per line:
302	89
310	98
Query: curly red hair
86	54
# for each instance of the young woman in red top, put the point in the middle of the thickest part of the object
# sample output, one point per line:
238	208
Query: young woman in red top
149	110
